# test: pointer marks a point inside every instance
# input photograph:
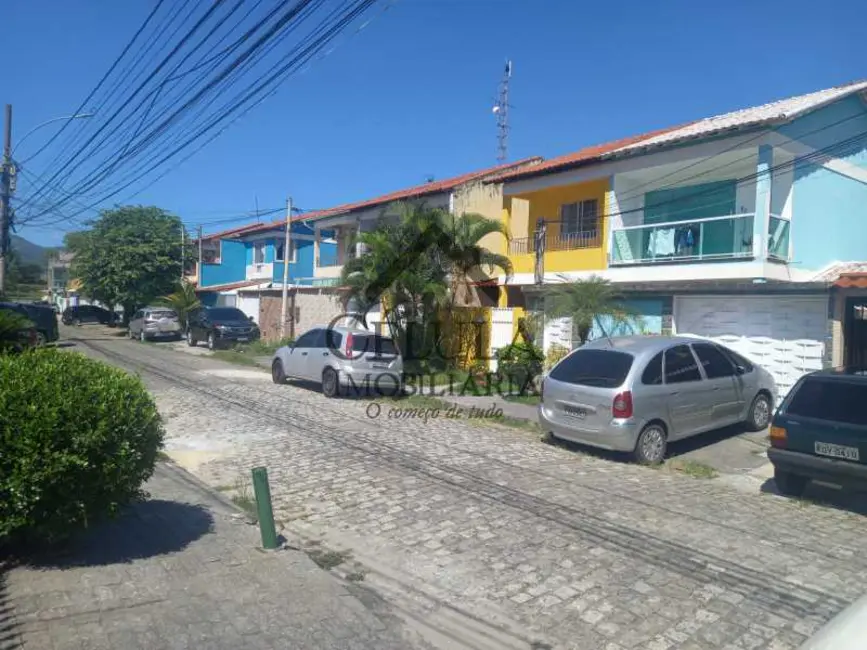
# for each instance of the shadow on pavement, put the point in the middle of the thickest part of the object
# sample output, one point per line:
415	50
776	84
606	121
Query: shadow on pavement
145	530
9	638
818	494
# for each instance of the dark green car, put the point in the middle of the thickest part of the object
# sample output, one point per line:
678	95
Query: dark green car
820	432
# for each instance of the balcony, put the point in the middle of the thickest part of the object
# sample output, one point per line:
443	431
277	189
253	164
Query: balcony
567	241
713	238
261	271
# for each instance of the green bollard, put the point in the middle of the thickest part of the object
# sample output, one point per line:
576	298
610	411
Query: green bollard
263	506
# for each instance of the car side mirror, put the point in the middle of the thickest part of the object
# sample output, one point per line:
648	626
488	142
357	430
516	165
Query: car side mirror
740	370
252	320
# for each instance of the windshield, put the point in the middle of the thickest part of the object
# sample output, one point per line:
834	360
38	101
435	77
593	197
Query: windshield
378	344
603	368
226	313
835	401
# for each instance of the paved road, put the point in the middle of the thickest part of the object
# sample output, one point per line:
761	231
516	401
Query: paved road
182	572
484	534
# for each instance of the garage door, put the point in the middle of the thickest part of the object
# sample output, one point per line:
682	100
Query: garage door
784	335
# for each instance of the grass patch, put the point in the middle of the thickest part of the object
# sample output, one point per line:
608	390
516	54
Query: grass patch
692	468
355	576
326	559
243	498
163	456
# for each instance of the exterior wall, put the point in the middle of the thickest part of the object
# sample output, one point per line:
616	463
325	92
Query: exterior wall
486	200
232	266
312	307
546	204
300	271
829	206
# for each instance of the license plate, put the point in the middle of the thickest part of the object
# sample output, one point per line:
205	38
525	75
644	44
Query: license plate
575	411
243	339
837	451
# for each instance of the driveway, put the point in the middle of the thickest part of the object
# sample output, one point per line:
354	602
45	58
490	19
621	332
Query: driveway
486	538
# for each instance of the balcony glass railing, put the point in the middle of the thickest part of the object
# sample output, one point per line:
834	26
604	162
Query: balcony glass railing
713	238
778	238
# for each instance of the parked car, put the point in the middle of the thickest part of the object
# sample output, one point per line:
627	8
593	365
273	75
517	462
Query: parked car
23	339
820	432
846	631
220	326
638	393
340	358
88	314
42	316
155	323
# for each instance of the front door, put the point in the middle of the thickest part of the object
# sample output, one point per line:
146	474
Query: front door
688	394
726	404
299	355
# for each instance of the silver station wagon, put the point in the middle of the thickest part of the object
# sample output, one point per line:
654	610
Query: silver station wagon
637	393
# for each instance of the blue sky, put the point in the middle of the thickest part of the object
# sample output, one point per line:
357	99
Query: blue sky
410	96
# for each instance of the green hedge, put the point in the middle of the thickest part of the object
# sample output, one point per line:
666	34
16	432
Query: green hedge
78	439
520	363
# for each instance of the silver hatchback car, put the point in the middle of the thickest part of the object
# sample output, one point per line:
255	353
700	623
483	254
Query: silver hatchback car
155	323
342	359
637	393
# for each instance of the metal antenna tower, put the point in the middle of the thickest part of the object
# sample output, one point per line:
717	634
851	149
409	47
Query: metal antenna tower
501	110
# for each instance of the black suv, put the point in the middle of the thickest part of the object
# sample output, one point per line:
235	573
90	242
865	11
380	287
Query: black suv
88	314
42	316
820	432
220	326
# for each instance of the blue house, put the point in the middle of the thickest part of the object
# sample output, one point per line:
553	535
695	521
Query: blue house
253	256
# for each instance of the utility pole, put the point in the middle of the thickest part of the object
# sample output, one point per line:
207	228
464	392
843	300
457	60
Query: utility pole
286	244
183	242
199	263
5	197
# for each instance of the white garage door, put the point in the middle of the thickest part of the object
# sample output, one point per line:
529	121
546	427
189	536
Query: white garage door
249	304
785	335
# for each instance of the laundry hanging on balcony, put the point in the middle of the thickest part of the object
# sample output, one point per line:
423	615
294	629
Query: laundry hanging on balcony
686	240
661	243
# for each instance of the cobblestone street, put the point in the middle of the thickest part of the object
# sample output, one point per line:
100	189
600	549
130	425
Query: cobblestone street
486	535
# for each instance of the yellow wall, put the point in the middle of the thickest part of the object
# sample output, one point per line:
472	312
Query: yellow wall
546	204
486	200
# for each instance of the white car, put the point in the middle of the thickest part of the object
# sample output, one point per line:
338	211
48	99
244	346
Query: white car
846	631
342	359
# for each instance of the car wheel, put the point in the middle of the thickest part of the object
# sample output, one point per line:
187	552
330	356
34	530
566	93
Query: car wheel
142	337
759	415
76	322
278	376
41	339
651	444
790	484
330	383
191	340
212	341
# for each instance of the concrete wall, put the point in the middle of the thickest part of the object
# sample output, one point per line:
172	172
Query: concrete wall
312	307
829	203
486	200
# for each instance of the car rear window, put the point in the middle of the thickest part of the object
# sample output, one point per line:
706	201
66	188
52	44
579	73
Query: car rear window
603	368
835	401
378	344
164	313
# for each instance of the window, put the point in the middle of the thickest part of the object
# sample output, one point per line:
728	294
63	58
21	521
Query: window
738	360
211	251
259	252
715	363
293	251
580	218
603	368
373	344
307	339
680	365
226	313
836	401
652	375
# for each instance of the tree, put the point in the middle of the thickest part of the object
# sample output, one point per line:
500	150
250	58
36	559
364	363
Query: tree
586	300
468	260
183	301
129	257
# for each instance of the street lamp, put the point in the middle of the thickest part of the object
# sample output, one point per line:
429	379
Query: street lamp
77	116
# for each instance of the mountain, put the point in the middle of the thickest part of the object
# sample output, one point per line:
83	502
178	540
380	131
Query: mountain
28	252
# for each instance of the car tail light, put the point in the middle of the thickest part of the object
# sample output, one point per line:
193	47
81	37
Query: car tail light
778	436
348	349
622	405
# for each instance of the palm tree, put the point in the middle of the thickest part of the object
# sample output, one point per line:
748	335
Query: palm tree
468	260
586	300
183	301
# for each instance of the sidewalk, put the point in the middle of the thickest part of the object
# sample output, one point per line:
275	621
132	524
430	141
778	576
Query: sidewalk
182	570
514	410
